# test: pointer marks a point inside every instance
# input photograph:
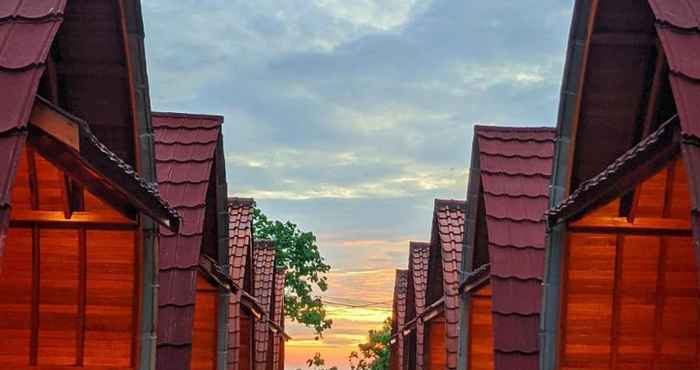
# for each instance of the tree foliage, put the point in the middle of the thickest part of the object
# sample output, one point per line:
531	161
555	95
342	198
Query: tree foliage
318	363
298	253
373	355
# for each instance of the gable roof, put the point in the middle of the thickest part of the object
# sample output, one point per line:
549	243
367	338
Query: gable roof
240	266
514	169
418	260
447	236
278	317
398	316
263	284
185	156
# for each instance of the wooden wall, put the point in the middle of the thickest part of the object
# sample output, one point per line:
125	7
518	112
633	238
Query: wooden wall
204	334
68	292
630	295
436	352
480	330
245	361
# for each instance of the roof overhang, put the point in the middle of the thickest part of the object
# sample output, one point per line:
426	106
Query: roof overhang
66	142
476	279
428	314
216	274
252	304
277	329
633	167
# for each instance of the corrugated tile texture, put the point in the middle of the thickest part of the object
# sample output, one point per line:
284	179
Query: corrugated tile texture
419	257
448	230
185	147
241	238
27	30
263	283
398	317
278	317
515	170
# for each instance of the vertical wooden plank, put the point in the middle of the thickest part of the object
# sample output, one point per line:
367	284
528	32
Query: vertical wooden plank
82	297
659	305
138	293
614	327
36	252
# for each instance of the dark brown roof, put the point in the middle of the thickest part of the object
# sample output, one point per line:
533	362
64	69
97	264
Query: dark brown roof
185	156
445	265
263	281
514	168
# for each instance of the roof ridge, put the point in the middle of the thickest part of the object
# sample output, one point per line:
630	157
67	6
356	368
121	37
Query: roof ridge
241	201
188	115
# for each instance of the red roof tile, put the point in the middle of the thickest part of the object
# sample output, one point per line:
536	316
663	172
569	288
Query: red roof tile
263	281
184	167
447	236
514	203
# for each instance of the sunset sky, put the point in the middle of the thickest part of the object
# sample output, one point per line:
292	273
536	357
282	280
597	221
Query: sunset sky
348	117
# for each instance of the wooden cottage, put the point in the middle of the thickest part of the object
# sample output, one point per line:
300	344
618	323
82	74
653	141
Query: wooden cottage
398	318
414	341
441	317
622	260
243	309
263	287
194	286
77	209
504	247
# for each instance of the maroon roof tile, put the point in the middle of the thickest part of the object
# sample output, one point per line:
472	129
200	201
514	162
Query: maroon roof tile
521	328
516	360
263	281
241	236
680	13
514	296
514	204
398	315
183	167
278	316
446	258
518	263
27	30
419	257
172	358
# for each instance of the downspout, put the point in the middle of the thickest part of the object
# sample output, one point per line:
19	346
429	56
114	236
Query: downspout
222	219
555	242
142	117
468	251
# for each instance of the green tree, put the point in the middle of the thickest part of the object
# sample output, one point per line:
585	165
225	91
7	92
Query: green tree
298	253
373	355
318	363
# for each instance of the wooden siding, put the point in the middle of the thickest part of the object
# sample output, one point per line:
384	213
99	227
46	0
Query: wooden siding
480	330
68	290
631	297
436	353
204	334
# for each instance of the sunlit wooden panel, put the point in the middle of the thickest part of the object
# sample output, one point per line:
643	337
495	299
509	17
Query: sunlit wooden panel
50	185
679	343
110	299
680	199
58	309
650	202
16	293
436	352
204	335
246	338
610	209
94	204
588	301
636	295
21	193
481	331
